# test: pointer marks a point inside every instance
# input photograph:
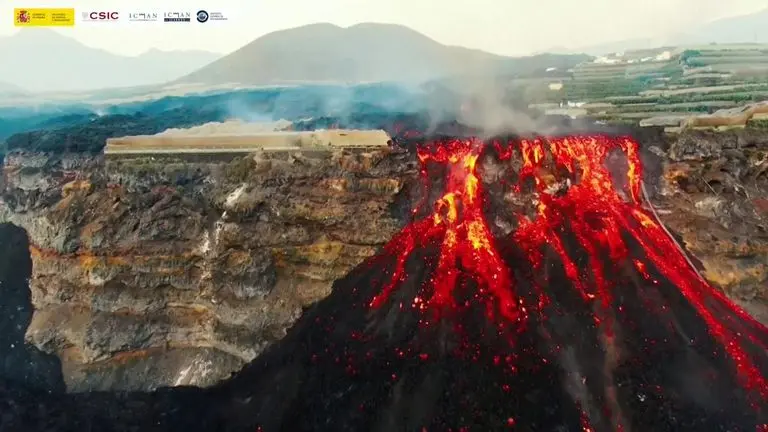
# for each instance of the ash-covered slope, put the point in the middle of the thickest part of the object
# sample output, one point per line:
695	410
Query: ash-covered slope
21	363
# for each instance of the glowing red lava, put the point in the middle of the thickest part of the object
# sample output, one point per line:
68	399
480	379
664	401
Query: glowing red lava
597	215
607	222
458	225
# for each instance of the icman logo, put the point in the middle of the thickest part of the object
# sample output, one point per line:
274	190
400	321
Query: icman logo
101	16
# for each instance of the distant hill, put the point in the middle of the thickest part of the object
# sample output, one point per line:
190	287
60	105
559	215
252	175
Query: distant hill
8	89
68	65
361	53
750	28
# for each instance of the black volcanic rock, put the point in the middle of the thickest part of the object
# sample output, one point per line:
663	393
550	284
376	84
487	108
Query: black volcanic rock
89	133
21	363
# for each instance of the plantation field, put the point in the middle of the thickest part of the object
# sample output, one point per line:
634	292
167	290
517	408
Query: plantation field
663	84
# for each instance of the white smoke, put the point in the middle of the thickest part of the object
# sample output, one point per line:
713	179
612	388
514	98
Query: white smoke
236	109
229	128
484	108
477	102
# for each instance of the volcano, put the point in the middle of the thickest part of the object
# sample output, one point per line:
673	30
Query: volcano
533	290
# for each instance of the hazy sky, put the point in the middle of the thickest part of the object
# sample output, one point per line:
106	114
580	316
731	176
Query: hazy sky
510	27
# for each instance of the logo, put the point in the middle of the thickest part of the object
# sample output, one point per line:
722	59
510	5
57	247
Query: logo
22	17
100	16
177	17
142	16
205	16
216	16
31	17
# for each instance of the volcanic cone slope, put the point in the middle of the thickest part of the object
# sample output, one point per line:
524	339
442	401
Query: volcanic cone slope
572	310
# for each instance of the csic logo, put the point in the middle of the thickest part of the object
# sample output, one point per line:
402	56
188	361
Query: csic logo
202	16
101	16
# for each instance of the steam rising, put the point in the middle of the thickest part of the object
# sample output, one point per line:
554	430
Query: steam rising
479	104
229	128
483	105
485	110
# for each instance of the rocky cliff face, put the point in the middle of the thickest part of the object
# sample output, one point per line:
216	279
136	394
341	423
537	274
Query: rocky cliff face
714	197
151	273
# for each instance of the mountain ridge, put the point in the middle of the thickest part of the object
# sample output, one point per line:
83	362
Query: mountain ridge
746	28
8	88
82	68
365	52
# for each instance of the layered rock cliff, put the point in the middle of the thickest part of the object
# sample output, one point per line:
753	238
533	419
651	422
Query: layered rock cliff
164	272
168	272
714	197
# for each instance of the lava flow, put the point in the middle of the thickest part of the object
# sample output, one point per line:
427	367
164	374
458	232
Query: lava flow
459	226
534	290
584	209
597	215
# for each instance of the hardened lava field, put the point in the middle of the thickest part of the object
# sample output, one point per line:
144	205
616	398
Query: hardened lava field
583	315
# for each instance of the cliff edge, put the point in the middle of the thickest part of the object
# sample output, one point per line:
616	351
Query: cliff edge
163	272
151	272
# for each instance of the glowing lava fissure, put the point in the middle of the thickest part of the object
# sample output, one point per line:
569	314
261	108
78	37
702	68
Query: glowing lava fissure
576	202
466	246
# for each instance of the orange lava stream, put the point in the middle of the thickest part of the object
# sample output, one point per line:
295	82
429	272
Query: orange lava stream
465	242
597	214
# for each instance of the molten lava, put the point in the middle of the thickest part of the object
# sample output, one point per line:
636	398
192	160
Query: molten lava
591	226
466	245
531	291
597	215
